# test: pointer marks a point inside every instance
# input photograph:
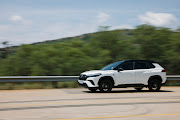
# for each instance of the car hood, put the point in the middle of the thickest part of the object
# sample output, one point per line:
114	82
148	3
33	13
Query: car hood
92	72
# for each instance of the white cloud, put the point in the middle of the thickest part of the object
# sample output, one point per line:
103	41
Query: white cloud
19	19
102	17
158	19
16	18
125	26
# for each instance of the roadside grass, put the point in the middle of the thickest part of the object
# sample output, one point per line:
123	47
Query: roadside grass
173	83
38	85
51	85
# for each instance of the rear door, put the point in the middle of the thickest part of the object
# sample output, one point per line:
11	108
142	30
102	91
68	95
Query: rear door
141	71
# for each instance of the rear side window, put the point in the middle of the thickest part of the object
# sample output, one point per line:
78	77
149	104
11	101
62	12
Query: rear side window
126	66
151	65
141	65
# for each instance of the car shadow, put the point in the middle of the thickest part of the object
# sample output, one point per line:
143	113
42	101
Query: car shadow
128	91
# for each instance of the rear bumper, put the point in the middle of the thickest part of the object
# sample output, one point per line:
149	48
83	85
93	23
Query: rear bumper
164	83
164	80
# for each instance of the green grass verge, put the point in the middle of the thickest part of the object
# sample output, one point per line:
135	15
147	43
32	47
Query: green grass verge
38	85
173	83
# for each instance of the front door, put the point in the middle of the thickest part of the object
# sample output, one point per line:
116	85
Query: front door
126	76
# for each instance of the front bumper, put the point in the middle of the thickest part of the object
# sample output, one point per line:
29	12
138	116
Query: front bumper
86	83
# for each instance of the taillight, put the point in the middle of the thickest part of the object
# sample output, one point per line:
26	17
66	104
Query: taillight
163	71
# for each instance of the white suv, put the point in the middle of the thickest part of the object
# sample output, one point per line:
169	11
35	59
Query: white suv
126	73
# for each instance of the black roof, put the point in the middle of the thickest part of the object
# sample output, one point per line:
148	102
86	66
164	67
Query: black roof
141	61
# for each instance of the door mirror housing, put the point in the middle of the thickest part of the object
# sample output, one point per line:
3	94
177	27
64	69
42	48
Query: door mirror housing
120	69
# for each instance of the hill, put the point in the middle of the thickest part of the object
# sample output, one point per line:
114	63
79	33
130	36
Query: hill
84	37
73	55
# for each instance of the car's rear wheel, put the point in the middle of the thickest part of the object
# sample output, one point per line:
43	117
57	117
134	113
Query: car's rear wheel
154	85
105	86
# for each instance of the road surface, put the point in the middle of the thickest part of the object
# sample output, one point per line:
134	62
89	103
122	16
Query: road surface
80	104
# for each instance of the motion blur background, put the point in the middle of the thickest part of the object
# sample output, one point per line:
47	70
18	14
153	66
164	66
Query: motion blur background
67	37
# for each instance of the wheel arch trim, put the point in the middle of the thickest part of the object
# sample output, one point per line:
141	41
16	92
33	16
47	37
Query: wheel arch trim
155	77
105	77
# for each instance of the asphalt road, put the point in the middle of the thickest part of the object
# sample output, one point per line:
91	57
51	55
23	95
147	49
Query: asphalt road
80	104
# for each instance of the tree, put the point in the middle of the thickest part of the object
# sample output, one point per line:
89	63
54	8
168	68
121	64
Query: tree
5	50
103	28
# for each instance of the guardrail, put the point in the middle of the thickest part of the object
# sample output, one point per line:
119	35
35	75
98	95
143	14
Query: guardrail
173	77
37	78
55	78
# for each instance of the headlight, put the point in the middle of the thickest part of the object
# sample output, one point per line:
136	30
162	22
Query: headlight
95	75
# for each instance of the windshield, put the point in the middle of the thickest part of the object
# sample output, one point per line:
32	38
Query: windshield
112	66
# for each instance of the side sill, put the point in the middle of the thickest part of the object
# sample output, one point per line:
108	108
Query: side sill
130	85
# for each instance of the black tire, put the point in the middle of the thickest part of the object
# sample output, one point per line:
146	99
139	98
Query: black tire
105	86
154	85
92	89
139	89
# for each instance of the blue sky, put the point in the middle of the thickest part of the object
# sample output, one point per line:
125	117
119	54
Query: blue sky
29	21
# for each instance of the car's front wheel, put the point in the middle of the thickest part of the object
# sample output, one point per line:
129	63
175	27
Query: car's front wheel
105	86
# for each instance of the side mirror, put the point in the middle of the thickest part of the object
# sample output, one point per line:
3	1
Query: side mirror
120	69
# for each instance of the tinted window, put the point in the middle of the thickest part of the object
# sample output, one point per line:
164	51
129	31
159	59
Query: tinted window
112	66
141	65
151	65
126	66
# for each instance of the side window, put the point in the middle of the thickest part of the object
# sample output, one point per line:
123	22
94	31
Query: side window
126	66
151	65
141	65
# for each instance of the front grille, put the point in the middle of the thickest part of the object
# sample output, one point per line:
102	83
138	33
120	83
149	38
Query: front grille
83	77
